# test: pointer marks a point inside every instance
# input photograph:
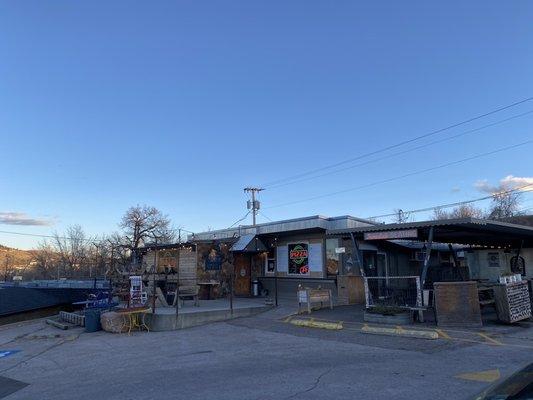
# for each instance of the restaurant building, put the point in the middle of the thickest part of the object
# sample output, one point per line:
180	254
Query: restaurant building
295	251
337	252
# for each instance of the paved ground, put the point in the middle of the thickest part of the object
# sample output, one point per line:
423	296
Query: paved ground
261	357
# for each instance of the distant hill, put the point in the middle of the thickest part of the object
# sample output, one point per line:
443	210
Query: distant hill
14	261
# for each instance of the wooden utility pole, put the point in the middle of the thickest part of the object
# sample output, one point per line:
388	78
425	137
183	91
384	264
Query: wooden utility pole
254	205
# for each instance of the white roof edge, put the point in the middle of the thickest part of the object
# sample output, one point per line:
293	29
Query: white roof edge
258	227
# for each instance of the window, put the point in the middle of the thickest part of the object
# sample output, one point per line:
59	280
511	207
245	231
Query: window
332	257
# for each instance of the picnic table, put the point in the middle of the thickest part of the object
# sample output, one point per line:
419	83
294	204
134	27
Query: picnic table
209	285
134	318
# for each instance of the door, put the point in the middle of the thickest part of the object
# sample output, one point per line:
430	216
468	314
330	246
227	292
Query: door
370	262
242	274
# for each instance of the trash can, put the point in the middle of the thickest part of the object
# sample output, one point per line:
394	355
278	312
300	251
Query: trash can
255	288
92	320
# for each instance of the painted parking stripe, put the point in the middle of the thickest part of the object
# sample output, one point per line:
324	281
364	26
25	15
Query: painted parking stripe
449	334
481	376
443	334
489	339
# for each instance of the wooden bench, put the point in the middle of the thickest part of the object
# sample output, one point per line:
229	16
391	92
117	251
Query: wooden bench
186	292
308	297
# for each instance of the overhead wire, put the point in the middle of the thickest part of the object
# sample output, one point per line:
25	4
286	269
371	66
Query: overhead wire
521	189
400	152
395	178
239	220
399	143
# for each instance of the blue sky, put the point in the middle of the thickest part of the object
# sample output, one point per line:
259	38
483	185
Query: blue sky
180	104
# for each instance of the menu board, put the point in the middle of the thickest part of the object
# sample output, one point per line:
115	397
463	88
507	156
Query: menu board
518	299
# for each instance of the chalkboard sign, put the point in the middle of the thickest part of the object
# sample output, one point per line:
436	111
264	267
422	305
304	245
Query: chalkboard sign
512	302
519	304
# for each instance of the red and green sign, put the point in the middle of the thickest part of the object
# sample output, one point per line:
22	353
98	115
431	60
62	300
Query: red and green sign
298	258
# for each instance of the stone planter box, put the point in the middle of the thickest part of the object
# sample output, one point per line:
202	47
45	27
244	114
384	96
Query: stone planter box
398	319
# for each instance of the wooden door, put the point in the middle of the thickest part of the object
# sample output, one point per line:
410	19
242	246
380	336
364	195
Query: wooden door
242	274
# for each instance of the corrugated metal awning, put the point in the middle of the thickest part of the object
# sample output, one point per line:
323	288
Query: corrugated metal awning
461	231
248	243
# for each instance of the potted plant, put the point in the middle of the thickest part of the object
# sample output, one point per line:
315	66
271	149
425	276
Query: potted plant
387	314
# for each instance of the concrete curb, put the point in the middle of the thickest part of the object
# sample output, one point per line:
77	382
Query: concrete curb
399	331
311	323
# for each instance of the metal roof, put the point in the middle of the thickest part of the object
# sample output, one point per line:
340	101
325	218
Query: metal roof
315	222
247	243
462	231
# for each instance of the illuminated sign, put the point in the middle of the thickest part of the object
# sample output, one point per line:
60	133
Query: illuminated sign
298	258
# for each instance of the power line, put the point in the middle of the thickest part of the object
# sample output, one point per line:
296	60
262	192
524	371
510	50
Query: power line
404	175
261	212
459	203
400	152
397	144
51	236
236	222
64	237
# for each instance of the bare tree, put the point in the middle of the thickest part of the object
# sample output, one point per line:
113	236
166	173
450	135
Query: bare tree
72	249
144	224
46	261
8	266
462	211
401	216
504	204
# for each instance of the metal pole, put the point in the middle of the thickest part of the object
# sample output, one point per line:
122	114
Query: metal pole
275	280
178	281
426	259
357	254
153	279
232	277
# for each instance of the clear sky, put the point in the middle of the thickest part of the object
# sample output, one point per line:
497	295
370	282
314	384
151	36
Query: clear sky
180	104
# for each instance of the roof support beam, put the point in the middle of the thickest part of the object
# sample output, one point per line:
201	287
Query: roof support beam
426	258
357	254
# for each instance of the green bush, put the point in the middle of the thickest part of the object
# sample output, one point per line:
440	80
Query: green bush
385	310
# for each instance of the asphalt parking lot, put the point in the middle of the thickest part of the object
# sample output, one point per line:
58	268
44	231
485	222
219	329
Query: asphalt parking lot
261	357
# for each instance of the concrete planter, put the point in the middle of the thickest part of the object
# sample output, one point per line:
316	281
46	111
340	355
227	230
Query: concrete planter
398	319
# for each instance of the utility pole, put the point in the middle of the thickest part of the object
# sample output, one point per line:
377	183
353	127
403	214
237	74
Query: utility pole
254	205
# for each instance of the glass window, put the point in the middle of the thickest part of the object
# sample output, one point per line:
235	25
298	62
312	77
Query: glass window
332	258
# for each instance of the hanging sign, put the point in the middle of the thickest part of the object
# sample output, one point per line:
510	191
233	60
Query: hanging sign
213	261
401	234
298	258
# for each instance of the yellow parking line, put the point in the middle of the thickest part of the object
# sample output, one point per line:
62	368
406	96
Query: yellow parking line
443	334
489	339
